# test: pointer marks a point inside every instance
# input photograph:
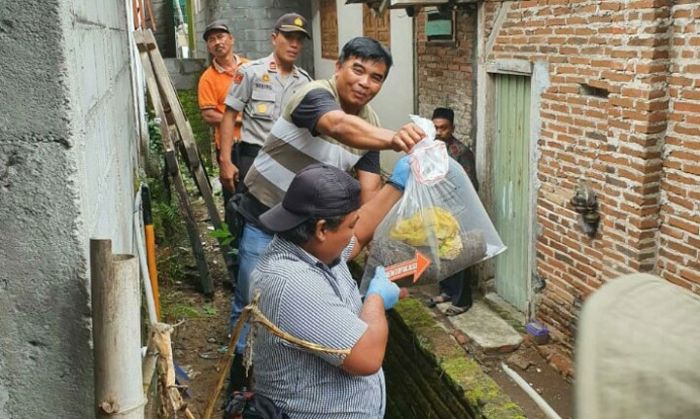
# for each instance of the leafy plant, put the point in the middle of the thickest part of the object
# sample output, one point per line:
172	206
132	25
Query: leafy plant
223	235
167	222
209	310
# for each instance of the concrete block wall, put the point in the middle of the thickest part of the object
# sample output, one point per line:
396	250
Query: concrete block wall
445	73
184	73
637	147
67	153
165	26
251	22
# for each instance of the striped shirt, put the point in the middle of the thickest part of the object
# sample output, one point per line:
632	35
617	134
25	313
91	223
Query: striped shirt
319	304
289	148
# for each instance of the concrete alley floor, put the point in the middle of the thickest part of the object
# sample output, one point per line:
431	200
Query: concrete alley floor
489	339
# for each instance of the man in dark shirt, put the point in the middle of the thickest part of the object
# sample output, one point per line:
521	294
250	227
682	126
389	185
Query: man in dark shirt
456	288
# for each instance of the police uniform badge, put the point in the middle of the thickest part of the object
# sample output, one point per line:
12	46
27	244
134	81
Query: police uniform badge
298	22
265	78
238	78
262	108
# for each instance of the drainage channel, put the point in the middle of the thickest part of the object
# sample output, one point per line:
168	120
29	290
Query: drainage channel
415	387
429	375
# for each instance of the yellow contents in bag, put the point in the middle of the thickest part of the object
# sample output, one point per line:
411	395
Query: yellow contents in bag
436	221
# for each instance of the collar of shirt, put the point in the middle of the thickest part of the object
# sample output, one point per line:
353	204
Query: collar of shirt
272	66
221	69
298	251
455	147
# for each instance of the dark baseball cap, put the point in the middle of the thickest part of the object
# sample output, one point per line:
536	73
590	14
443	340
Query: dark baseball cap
293	22
318	190
217	25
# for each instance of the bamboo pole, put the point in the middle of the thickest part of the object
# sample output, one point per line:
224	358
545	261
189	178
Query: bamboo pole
228	360
116	310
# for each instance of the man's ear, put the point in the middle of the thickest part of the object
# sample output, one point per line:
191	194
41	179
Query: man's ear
320	230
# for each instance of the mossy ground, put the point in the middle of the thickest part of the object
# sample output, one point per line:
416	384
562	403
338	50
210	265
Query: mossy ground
482	394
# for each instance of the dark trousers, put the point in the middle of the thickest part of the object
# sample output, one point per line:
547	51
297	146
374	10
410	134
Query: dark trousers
242	155
459	289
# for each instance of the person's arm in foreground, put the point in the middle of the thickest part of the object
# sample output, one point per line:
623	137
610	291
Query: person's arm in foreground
367	355
228	172
373	212
355	132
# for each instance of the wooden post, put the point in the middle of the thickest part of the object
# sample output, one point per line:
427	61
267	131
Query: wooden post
116	332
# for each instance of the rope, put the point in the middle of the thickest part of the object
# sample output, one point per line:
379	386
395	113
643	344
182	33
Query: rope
260	319
252	314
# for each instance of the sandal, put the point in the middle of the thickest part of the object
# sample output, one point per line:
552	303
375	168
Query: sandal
438	299
454	310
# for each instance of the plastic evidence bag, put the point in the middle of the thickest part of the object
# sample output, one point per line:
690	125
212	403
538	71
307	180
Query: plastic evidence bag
439	221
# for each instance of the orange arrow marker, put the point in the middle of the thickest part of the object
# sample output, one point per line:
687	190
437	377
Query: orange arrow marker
414	267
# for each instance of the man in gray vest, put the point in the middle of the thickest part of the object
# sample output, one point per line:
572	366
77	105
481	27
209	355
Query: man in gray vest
326	121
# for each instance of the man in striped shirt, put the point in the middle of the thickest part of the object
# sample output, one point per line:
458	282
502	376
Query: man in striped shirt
326	121
306	290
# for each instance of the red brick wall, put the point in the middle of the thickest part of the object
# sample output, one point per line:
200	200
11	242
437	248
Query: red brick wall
638	148
445	74
679	238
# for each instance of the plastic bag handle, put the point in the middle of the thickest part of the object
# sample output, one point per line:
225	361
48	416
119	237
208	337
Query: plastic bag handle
428	127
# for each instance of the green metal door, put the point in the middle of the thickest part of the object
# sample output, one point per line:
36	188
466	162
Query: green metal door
511	186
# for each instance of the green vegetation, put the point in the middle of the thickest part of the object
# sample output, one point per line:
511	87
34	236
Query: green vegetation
223	235
202	135
175	306
175	255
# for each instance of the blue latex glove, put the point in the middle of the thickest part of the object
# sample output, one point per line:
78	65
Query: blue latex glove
402	170
384	288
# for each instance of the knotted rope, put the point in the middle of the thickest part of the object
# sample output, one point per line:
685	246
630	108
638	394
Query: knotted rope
252	314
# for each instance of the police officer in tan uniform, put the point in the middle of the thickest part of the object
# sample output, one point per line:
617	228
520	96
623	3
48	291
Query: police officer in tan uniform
260	89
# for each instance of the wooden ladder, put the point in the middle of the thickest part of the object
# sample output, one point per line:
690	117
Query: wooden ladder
176	133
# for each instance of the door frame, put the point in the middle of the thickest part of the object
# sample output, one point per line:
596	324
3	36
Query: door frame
485	137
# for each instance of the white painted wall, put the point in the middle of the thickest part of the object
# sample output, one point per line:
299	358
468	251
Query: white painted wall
394	102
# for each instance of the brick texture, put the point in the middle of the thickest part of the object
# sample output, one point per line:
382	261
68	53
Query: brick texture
638	148
679	237
445	73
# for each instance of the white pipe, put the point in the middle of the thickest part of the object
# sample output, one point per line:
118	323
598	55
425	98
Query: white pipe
116	314
141	250
541	403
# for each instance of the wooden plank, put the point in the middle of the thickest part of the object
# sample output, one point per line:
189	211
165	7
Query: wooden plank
151	16
175	113
170	100
174	171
